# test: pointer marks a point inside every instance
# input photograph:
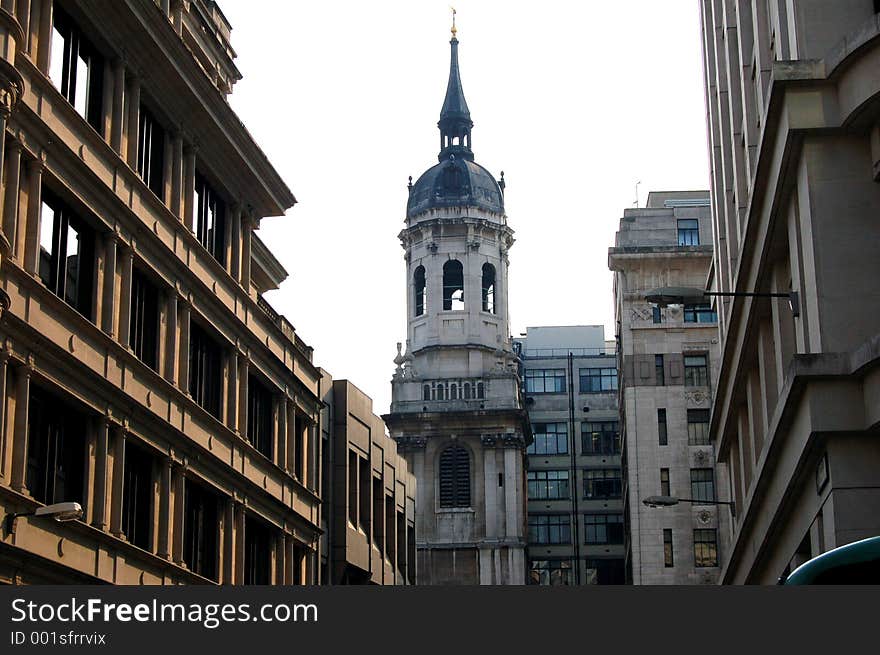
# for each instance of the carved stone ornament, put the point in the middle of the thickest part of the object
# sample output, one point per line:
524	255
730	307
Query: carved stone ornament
704	516
696	397
408	442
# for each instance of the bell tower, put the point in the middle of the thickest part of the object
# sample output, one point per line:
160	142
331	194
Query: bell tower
457	412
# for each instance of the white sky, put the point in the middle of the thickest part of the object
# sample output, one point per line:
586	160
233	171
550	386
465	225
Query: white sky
575	101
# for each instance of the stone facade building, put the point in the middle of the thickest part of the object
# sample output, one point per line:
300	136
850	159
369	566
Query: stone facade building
142	375
456	409
368	494
793	103
668	358
573	482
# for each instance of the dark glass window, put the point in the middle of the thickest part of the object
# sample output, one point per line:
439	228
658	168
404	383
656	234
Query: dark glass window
605	571
656	316
549	529
602	483
593	380
210	219
696	371
205	370
664	483
600	438
603	528
702	484
55	450
698	427
257	552
453	285
260	416
144	325
76	68
702	313
668	559
67	254
661	427
352	488
548	485
550	572
545	380
455	477
659	376
549	439
151	153
688	232
421	290
488	288
200	532
378	515
705	548
137	496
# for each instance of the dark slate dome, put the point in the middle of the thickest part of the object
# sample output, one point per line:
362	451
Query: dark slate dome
457	180
453	183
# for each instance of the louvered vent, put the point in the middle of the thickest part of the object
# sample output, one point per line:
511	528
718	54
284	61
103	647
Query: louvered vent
455	477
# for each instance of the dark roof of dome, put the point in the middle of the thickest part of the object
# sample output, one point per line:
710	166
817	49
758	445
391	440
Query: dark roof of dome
453	183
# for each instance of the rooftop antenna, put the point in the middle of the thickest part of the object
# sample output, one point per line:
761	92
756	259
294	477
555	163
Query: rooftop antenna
636	205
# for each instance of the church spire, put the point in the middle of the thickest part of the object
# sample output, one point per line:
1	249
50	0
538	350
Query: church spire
455	118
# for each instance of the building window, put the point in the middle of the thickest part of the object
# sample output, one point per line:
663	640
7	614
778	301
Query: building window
688	232
668	559
602	483
455	477
55	450
200	533
421	290
661	427
698	427
144	322
257	552
545	380
378	516
488	288
76	68
702	485
549	529
664	482
594	380
67	254
205	370
705	548
260	406
603	528
550	572
659	376
137	496
352	489
549	439
702	313
600	438
453	285
548	485
605	571
656	316
365	495
210	218
151	153
696	371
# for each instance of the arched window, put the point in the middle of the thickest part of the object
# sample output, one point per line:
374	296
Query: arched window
453	285
480	391
467	390
453	392
426	392
455	477
421	290
488	288
440	392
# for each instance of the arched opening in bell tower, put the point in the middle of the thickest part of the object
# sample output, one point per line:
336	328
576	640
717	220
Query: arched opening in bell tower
421	290
488	288
453	285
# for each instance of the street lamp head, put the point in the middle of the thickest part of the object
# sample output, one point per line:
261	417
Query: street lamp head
665	296
61	511
660	501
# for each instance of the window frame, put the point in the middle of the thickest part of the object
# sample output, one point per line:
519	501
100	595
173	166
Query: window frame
543	480
541	374
689	234
703	490
698	431
209	204
597	379
454	477
696	375
545	524
603	433
77	50
598	524
614	482
705	548
532	448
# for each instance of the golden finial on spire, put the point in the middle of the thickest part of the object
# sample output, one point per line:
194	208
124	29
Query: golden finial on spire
453	22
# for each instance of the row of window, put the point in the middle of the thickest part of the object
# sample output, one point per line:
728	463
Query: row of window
552	380
555	529
77	71
454	390
597	438
559	572
696	370
705	548
56	456
554	484
702	484
453	288
699	313
697	427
